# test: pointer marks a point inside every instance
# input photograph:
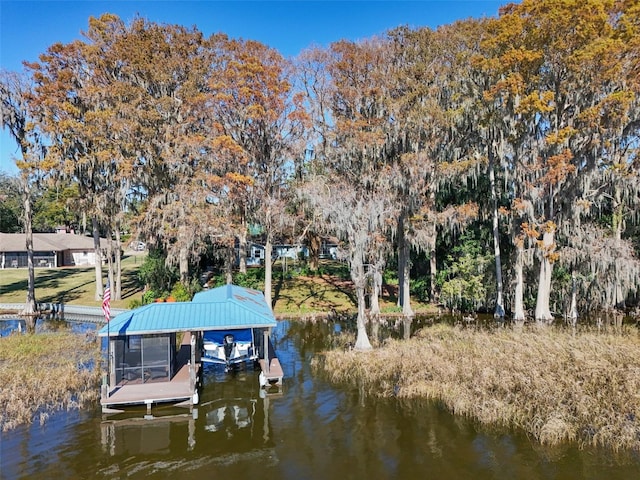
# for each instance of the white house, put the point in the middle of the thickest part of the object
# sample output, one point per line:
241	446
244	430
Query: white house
50	250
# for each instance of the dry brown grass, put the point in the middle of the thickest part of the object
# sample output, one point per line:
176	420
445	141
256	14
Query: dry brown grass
555	385
43	373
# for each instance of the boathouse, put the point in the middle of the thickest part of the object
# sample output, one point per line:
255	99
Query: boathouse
154	352
271	370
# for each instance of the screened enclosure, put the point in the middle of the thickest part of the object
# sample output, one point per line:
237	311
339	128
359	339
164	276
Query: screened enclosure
143	358
20	260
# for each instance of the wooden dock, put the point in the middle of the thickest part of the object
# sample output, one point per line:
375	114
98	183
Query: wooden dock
176	390
273	374
180	389
271	369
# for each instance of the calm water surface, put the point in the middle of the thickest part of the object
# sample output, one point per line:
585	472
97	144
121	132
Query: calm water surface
312	430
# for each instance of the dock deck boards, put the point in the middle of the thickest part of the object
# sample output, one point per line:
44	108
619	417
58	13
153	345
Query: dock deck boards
275	369
178	388
175	390
272	371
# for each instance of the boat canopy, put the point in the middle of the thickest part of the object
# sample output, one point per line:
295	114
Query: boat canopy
244	335
222	308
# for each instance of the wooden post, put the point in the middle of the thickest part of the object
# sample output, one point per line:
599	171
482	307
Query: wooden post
104	393
265	430
192	367
266	352
111	364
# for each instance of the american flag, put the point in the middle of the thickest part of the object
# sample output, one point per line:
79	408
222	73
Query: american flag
106	302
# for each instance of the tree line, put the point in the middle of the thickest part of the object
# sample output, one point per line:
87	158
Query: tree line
495	157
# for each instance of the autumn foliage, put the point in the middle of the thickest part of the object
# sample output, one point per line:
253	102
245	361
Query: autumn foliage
394	144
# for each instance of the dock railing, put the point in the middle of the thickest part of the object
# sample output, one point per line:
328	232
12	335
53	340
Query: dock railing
62	311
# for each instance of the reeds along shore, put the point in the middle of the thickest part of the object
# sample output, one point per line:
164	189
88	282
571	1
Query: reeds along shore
46	372
556	385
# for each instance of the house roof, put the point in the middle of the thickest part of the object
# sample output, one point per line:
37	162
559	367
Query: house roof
46	242
223	308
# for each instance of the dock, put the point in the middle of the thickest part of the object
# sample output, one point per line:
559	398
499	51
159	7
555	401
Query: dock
155	352
271	370
180	389
177	390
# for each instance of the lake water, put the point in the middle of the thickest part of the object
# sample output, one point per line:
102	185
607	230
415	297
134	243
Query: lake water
311	430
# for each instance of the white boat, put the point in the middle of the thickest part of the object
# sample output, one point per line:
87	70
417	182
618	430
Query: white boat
230	347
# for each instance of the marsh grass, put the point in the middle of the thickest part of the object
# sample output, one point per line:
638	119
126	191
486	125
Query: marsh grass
42	373
556	385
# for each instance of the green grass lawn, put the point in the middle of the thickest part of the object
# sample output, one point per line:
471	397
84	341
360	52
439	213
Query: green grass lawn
72	285
293	294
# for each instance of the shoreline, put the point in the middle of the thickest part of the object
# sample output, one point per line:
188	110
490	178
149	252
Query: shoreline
557	386
45	373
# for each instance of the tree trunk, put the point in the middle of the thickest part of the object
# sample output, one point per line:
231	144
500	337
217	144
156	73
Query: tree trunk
376	288
268	269
499	310
184	265
30	307
406	327
98	255
109	257
406	288
433	268
543	312
618	226
118	285
404	269
183	254
618	215
228	264
315	244
401	259
406	291
518	296
573	309
242	248
359	281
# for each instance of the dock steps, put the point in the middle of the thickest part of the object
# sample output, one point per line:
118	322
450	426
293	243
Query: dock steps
271	375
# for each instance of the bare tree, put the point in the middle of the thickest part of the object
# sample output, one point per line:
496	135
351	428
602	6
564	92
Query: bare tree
16	91
357	216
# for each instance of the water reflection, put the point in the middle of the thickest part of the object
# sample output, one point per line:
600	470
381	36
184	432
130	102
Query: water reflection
12	325
311	430
229	428
9	326
144	436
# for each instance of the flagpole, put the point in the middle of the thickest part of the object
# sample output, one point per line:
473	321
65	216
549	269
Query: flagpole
106	310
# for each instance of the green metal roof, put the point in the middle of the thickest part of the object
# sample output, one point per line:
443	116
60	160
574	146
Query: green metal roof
221	308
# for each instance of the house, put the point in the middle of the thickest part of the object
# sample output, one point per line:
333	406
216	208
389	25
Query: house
329	248
293	252
50	250
254	254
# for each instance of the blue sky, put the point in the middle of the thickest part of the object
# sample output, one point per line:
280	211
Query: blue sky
27	28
